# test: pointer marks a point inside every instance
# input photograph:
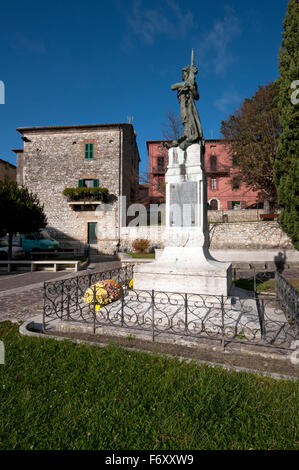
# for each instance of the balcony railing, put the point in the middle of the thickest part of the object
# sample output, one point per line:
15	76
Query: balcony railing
159	169
217	169
83	198
86	194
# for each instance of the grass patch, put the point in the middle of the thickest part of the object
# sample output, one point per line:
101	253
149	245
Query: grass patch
262	286
61	395
248	284
141	255
294	282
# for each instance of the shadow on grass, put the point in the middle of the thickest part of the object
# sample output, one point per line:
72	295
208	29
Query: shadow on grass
265	282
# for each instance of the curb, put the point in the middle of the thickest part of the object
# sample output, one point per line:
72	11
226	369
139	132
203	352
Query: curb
32	323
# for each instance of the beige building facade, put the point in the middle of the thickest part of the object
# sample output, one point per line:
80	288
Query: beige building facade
101	156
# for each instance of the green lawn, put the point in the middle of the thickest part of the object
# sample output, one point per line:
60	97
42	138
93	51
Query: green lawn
60	395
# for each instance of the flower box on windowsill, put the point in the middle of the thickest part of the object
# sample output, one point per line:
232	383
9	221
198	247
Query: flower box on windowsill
86	195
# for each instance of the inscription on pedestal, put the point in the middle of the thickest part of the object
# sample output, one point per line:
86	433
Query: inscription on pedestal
183	204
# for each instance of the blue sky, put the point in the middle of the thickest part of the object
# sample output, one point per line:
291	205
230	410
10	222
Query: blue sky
75	62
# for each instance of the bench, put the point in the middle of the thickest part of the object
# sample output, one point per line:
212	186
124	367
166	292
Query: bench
33	265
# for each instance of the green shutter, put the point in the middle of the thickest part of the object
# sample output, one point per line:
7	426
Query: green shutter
80	184
89	150
86	150
96	183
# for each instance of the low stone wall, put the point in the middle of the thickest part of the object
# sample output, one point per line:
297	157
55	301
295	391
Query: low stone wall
151	233
245	235
249	235
240	215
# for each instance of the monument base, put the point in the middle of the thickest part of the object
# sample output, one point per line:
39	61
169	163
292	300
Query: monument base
190	270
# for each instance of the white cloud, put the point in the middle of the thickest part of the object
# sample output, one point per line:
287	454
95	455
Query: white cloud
147	23
215	47
23	42
229	99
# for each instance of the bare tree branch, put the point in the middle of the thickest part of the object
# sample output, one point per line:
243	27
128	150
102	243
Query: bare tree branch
172	129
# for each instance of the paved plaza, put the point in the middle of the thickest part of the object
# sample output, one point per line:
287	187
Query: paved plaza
21	294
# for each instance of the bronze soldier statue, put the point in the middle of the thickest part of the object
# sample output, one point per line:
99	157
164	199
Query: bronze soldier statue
187	93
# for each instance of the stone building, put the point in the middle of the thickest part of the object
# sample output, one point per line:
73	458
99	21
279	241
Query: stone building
79	156
7	170
224	189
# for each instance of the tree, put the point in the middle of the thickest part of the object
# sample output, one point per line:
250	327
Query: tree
155	184
252	132
287	160
173	128
20	211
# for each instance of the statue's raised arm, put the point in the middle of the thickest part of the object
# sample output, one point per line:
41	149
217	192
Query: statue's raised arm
187	92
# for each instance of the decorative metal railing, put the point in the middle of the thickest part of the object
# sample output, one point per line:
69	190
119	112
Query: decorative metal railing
254	319
289	298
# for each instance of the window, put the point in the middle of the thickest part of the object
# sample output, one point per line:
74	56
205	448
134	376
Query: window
42	235
160	161
235	182
30	236
213	183
236	205
89	150
213	163
214	205
161	183
235	160
88	183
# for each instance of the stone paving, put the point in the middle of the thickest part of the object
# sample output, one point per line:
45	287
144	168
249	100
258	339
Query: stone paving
21	306
21	295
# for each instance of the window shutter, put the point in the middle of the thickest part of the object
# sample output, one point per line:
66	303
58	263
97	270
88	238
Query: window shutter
243	204
90	150
96	183
80	184
229	205
86	150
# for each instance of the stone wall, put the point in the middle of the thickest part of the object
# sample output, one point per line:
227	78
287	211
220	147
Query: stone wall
153	234
249	235
53	159
246	236
240	215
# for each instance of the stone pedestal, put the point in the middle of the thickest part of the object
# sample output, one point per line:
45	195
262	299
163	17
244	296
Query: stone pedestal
185	266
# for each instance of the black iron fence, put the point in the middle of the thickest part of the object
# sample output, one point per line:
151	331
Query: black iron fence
289	298
252	319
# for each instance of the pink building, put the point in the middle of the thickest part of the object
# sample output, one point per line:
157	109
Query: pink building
157	159
224	188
